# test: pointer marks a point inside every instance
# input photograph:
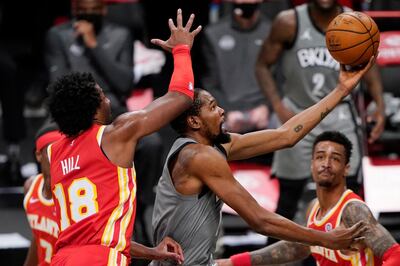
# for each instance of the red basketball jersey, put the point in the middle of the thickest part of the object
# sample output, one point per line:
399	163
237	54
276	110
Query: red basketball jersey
328	257
95	199
41	214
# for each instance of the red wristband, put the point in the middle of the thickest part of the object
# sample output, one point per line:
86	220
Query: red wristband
182	79
241	259
181	48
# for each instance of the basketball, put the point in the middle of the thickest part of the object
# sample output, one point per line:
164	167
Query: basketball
352	38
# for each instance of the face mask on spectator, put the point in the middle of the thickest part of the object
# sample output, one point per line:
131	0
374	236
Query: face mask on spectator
246	10
95	19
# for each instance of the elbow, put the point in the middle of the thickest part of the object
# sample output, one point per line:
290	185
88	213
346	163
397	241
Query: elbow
261	65
181	99
259	68
290	143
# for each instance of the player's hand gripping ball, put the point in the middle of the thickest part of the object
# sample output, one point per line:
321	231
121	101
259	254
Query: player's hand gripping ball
352	38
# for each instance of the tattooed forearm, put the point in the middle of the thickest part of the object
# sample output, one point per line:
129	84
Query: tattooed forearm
298	128
280	252
376	237
325	113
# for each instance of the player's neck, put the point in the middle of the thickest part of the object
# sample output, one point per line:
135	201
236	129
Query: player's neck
196	135
323	18
46	191
328	197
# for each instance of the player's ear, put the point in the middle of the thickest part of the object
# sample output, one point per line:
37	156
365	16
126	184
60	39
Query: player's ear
193	121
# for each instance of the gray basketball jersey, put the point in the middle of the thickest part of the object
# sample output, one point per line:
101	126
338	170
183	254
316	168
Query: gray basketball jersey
310	74
193	221
309	70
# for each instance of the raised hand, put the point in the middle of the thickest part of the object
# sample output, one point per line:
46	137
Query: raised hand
169	249
179	34
86	30
348	79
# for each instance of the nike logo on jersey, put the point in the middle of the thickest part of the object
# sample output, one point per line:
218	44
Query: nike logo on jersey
343	115
33	200
306	35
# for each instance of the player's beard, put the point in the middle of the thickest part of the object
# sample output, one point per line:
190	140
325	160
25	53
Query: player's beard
223	136
325	183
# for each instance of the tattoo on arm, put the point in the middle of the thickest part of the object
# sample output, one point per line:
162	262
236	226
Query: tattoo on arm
376	237
298	128
280	252
325	113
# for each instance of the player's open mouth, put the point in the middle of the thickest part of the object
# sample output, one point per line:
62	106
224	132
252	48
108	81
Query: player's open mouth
223	128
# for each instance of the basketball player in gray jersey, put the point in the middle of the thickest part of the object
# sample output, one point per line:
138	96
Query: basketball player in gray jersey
196	177
297	37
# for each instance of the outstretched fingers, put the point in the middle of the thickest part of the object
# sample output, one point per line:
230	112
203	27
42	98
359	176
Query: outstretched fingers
196	31
171	24
179	18
158	42
189	23
370	63
359	229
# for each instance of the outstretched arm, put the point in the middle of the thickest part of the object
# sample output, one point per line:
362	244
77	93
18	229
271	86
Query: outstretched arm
376	237
179	97
261	142
120	138
208	165
278	253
